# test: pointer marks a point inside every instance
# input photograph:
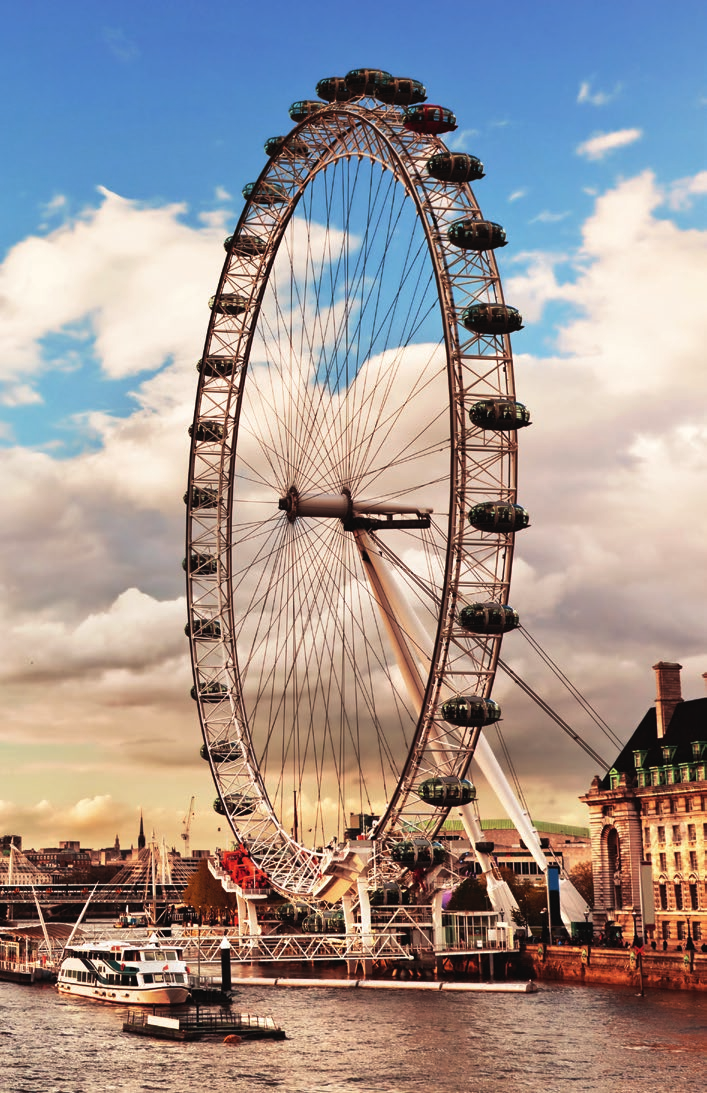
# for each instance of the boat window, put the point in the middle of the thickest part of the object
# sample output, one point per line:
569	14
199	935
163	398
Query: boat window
147	978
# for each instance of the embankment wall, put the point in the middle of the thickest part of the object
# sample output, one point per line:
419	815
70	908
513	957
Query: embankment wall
586	964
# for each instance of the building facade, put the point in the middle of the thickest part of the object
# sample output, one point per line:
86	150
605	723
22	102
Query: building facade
651	809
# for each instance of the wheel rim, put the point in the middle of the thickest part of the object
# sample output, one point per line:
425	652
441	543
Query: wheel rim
328	390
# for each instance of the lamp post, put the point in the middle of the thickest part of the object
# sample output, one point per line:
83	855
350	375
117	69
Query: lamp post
637	942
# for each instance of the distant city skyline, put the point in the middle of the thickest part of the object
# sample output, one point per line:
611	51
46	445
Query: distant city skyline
129	135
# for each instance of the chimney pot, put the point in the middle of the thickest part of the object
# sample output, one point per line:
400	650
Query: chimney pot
668	693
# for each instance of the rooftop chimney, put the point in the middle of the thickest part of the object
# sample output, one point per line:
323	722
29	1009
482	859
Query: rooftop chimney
667	693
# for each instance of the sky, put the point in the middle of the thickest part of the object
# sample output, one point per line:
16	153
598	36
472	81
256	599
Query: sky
128	133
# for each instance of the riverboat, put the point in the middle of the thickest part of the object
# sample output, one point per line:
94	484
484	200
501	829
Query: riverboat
126	973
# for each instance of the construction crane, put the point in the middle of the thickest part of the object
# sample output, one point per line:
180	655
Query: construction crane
186	824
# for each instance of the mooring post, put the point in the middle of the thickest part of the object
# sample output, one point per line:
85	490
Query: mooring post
225	964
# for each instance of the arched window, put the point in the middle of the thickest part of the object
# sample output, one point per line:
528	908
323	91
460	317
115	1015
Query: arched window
613	862
677	888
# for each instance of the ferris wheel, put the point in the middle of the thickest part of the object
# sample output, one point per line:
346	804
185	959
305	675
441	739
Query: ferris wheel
351	508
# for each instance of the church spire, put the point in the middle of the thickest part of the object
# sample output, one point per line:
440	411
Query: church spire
141	836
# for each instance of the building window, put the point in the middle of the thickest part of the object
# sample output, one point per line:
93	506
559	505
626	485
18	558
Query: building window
693	861
661	835
694	898
681	930
663	862
678	896
665	930
696	931
677	859
663	894
677	833
704	831
646	836
648	859
691	833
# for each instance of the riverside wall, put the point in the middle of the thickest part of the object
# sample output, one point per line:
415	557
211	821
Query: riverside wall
587	964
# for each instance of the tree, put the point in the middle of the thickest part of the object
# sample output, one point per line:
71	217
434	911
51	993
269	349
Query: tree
582	877
469	896
205	894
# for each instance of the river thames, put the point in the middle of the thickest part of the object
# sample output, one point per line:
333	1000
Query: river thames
585	1039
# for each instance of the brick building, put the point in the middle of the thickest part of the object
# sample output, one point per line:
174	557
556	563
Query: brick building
651	808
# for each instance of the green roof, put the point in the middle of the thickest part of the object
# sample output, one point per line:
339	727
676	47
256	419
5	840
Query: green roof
508	825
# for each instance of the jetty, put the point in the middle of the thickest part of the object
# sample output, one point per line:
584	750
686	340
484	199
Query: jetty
202	1022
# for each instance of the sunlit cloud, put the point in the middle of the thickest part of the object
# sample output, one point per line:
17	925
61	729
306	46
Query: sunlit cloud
603	143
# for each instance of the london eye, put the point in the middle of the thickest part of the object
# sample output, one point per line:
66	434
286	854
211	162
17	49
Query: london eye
351	505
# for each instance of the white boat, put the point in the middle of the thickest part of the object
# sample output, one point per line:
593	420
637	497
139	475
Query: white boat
130	973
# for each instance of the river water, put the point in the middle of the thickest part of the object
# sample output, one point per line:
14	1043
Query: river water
584	1039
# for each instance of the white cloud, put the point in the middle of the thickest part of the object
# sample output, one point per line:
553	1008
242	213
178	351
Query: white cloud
683	190
120	45
596	98
600	145
137	275
547	217
461	141
516	195
222	194
56	205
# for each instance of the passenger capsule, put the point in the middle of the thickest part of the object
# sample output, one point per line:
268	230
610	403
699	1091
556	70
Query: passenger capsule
500	516
471	710
491	318
237	804
400	91
292	912
418	853
202	497
216	366
203	628
228	303
292	146
389	895
501	415
203	564
455	167
428	118
265	193
207	431
226	751
488	618
447	791
246	246
476	235
484	847
303	109
333	89
210	692
364	81
325	922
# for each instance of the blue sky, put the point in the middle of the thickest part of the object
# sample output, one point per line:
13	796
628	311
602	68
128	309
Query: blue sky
590	119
